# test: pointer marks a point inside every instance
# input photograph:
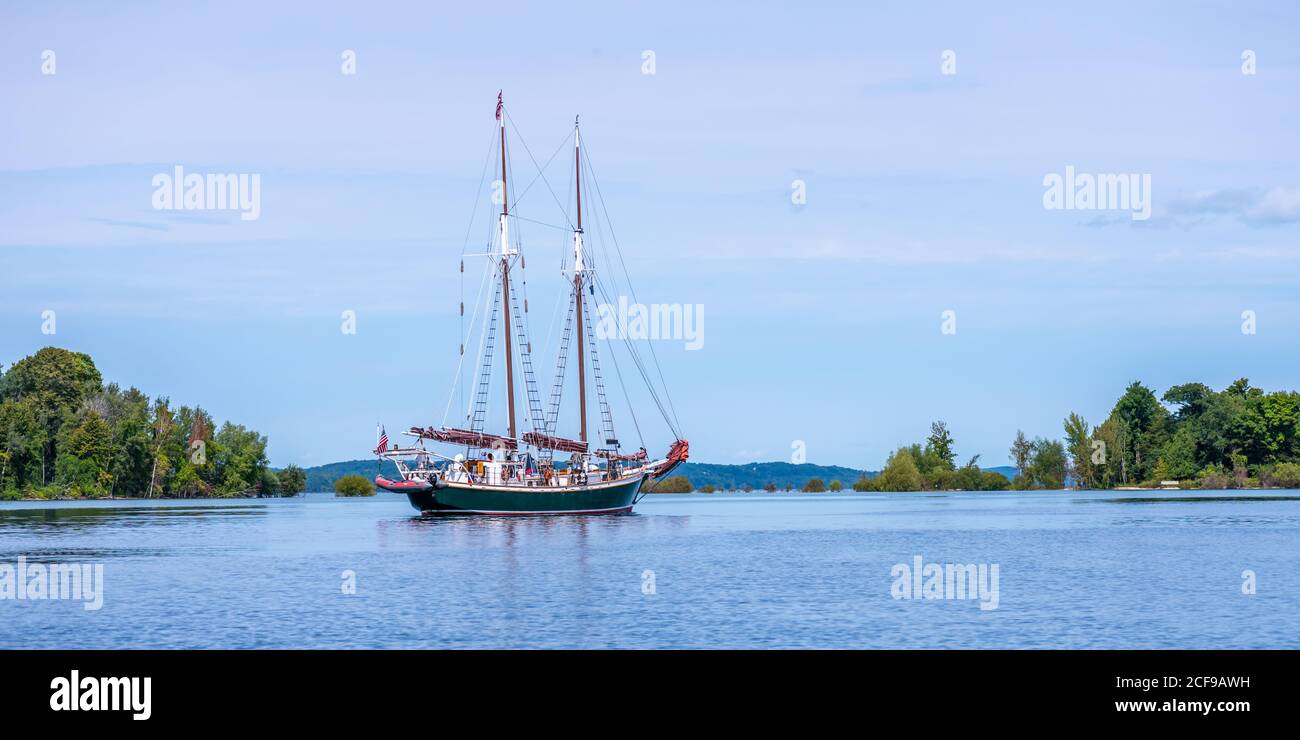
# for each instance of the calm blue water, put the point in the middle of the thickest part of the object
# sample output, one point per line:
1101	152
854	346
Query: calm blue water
1128	569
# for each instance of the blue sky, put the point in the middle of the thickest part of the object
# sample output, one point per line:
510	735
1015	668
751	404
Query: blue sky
924	194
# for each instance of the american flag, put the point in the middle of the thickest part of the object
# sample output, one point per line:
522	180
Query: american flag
382	447
499	104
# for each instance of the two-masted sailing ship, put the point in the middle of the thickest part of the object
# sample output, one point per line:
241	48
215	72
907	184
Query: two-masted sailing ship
531	468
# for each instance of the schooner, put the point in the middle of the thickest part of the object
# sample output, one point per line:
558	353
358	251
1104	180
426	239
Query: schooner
530	468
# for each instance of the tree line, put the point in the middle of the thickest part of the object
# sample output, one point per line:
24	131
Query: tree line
1238	437
1192	435
932	466
65	434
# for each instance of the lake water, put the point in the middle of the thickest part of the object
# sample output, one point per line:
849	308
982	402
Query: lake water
1090	570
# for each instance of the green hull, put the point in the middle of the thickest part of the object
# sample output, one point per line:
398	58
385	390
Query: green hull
616	498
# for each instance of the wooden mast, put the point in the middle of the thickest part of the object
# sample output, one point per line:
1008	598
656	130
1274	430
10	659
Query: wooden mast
577	287
505	276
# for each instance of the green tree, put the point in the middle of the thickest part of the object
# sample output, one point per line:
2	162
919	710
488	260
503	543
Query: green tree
1021	450
23	440
1214	478
85	448
1161	472
991	480
1145	422
836	486
1047	464
187	483
671	484
1078	447
1285	475
354	485
239	455
1179	453
56	377
293	480
1279	424
58	382
1110	471
1240	469
900	473
969	477
1192	400
939	445
269	485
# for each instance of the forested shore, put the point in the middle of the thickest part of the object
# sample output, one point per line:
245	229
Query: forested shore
64	434
1190	437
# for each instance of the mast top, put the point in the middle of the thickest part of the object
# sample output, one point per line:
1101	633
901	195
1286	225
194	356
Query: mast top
577	182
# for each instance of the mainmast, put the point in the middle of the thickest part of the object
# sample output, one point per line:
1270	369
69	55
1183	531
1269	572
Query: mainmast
577	286
505	275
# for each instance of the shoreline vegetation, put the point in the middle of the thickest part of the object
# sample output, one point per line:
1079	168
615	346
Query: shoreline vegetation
353	485
1192	437
65	435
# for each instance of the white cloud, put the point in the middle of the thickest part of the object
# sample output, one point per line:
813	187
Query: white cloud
1279	205
1254	206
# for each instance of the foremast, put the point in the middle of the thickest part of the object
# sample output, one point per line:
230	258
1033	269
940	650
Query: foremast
506	254
578	267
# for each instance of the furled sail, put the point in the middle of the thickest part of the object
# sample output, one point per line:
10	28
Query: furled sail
550	442
465	437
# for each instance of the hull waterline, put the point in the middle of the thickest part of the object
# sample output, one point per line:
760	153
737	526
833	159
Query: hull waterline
613	498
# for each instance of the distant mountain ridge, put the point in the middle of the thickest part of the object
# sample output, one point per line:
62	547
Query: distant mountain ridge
322	477
781	474
756	474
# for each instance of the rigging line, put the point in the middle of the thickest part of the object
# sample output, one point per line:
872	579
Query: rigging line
517	217
469	228
630	287
639	363
607	287
550	329
631	409
619	251
536	177
613	353
482	340
459	381
555	313
540	174
565	250
478	193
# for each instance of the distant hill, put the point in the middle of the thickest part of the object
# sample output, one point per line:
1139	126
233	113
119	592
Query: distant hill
780	474
322	477
755	474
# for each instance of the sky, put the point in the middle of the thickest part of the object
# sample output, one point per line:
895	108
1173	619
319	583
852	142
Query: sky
826	180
